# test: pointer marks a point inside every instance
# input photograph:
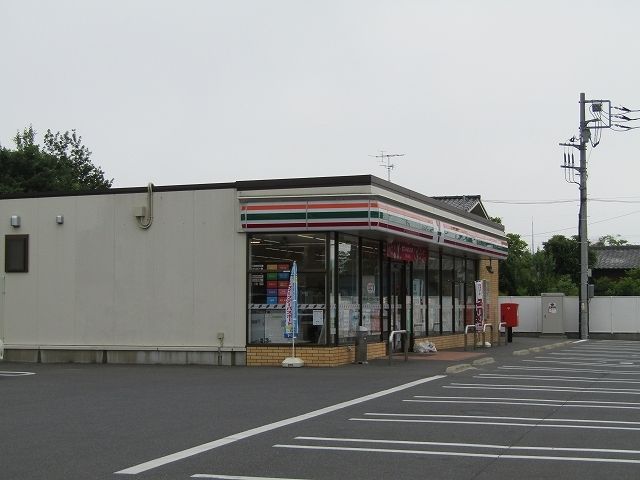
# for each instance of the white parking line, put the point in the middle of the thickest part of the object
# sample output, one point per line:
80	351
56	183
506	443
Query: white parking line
530	400
15	374
238	477
501	424
461	454
469	445
544	388
143	467
596	364
488	417
551	378
561	369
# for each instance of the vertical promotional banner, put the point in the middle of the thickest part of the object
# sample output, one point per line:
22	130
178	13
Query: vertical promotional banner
481	302
291	305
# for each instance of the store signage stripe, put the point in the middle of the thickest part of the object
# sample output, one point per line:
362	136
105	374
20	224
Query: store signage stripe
347	214
314	206
275	216
368	215
339	224
478	249
271	206
416	216
275	225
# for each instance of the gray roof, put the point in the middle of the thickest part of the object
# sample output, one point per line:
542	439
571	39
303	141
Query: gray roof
468	203
617	257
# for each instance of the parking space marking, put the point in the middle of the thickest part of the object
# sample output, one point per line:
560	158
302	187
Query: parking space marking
551	378
461	454
469	445
595	364
238	477
501	424
489	417
537	402
143	467
543	388
15	374
562	369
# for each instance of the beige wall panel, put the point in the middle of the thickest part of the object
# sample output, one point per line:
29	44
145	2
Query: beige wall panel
94	270
220	270
55	263
20	313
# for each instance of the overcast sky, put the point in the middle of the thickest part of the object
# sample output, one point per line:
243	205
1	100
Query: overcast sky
476	94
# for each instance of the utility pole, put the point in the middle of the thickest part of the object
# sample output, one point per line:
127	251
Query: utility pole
585	136
580	143
385	161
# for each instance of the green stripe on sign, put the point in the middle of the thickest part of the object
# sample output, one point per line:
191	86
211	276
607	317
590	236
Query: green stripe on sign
350	214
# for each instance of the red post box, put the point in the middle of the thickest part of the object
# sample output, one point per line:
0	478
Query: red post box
509	314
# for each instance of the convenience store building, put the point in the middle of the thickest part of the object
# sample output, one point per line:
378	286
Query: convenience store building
198	273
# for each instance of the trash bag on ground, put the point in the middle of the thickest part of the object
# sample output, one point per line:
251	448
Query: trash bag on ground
424	347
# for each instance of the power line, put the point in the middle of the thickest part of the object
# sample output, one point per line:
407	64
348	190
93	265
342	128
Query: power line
555	202
595	222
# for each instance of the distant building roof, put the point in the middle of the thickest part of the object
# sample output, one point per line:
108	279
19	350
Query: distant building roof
468	203
617	257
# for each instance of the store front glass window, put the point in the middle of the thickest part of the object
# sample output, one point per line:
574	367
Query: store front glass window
433	292
447	294
459	293
348	288
419	298
371	317
470	291
270	259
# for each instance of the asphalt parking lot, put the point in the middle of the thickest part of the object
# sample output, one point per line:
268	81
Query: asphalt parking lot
571	411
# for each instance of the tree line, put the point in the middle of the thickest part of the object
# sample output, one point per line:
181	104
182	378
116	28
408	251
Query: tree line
61	164
556	268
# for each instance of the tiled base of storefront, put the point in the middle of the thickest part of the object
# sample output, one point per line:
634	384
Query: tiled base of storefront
316	356
320	356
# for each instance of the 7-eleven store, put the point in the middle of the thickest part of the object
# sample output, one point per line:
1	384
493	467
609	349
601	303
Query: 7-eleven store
371	256
199	273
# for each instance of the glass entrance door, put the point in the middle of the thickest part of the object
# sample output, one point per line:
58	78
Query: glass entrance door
397	302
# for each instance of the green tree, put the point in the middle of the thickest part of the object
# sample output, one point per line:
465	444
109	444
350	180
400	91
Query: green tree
515	271
610	241
62	164
629	284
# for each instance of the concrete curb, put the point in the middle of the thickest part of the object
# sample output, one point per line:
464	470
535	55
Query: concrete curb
542	348
461	367
483	361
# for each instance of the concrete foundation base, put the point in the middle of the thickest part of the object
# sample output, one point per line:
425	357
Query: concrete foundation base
160	357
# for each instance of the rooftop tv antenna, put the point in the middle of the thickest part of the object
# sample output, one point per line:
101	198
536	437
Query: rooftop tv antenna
385	161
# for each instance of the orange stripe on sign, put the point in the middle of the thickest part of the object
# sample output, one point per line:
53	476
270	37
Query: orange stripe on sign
338	205
296	206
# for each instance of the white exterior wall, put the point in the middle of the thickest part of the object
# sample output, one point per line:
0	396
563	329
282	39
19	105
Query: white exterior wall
99	280
607	315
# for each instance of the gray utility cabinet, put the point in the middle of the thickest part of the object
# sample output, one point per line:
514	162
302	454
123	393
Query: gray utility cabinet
553	313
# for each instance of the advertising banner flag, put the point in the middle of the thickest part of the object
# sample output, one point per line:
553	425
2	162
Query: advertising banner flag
291	305
481	303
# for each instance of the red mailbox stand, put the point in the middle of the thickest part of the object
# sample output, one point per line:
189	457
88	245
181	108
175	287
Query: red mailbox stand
509	315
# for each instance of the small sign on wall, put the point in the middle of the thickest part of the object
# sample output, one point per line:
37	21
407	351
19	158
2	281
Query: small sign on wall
318	317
